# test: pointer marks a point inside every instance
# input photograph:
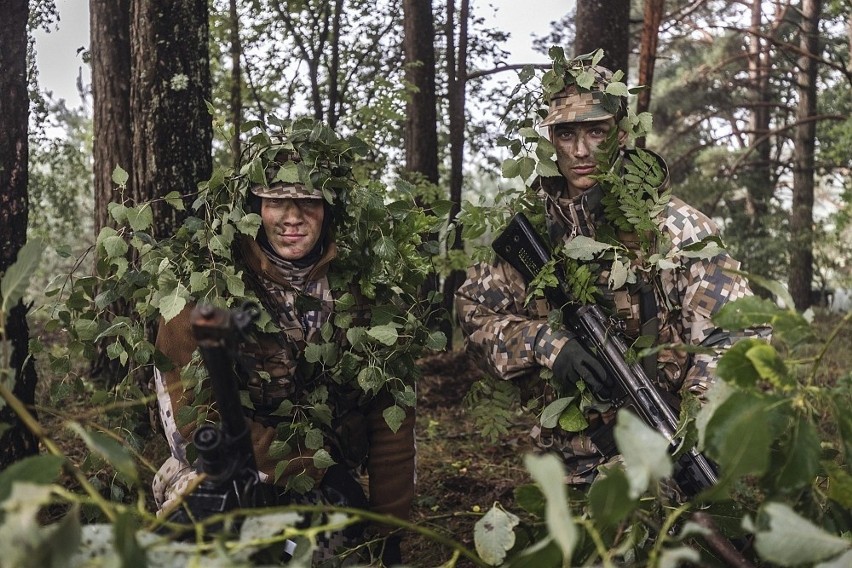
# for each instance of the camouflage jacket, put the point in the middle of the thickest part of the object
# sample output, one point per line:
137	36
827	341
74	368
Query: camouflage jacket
512	339
301	301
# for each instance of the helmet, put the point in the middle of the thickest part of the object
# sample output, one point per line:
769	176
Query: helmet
281	179
579	104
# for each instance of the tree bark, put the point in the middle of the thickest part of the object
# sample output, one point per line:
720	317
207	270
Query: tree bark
112	144
456	91
421	132
801	218
17	441
236	81
604	24
654	10
172	128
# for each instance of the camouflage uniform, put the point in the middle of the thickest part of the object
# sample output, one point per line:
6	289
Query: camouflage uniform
301	302
513	340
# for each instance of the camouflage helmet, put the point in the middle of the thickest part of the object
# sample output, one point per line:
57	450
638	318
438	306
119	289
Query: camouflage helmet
281	179
578	104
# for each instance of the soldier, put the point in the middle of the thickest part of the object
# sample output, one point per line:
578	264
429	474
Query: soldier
288	266
512	337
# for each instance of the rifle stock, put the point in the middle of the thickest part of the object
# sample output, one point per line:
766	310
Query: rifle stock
523	249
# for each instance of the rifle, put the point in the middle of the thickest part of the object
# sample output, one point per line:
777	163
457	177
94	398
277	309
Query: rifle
522	247
225	452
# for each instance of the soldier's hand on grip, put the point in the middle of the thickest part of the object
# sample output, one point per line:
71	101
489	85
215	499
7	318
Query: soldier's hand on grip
573	363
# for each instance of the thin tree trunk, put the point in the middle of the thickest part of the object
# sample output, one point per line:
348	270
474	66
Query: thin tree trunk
17	441
654	10
801	219
236	81
457	89
334	94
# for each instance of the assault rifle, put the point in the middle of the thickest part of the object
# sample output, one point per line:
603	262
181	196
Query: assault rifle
522	247
225	452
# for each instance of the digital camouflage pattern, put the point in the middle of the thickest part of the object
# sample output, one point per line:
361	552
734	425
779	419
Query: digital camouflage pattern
513	340
285	164
575	104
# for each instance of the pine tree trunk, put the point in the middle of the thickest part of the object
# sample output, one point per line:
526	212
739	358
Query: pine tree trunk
801	218
17	441
112	144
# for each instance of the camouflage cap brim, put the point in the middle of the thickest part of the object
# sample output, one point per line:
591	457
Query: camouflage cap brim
573	106
287	191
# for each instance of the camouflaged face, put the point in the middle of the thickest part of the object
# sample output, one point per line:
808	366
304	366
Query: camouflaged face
574	104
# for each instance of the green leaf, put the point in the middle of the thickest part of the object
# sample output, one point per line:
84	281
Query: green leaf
746	312
114	246
385	334
174	199
173	302
645	452
609	497
394	416
547	168
385	248
839	484
791	540
550	414
437	341
526	167
322	459
737	435
548	472
799	457
15	281
119	176
573	419
314	439
494	535
249	224
736	367
371	378
140	217
86	329
585	248
236	286
510	168
109	449
199	281
769	365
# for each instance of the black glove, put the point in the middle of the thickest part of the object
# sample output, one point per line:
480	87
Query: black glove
575	362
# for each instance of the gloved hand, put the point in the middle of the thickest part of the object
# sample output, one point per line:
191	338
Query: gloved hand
575	362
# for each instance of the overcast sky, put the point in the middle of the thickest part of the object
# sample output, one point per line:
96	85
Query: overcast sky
60	63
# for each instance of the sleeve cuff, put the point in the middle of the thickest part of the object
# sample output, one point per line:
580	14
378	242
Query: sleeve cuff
548	343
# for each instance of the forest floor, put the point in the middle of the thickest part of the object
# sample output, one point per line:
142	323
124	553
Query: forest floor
460	473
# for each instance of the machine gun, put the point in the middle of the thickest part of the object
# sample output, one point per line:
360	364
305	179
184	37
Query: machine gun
225	451
522	247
